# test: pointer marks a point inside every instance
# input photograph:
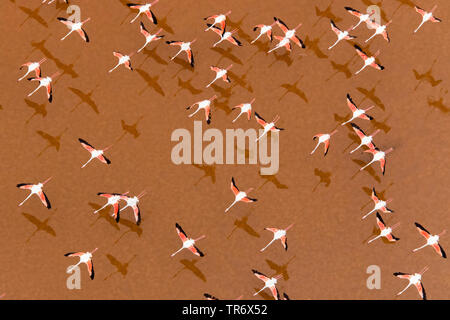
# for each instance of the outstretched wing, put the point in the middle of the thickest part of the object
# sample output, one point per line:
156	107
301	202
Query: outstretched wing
234	188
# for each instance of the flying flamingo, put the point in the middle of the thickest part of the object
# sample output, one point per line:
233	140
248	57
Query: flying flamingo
378	155
220	73
362	17
37	190
426	16
365	140
133	203
245	108
188	243
357	113
263	29
432	240
267	126
75	26
149	37
123	59
368	61
379	29
290	33
278	234
239	195
342	35
414	279
225	35
385	231
85	257
204	104
184	46
268	283
144	8
325	139
379	204
282	42
45	82
113	200
94	152
218	18
32	66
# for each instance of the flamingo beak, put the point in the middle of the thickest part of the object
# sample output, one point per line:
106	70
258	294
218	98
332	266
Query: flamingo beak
424	270
290	226
143	193
47	180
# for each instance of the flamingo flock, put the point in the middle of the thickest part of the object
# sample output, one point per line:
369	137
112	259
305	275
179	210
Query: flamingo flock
230	37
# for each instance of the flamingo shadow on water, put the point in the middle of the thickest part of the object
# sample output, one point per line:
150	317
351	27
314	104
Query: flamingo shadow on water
272	179
240	80
242	224
325	178
209	171
132	227
426	76
40	225
85	98
226	53
152	82
39	109
103	214
284	57
280	269
52	142
292	88
151	54
187	85
370	94
313	45
369	170
325	14
437	104
190	265
121	268
130	129
34	15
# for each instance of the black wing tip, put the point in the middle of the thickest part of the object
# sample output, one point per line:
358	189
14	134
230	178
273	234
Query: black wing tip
68	254
61	19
